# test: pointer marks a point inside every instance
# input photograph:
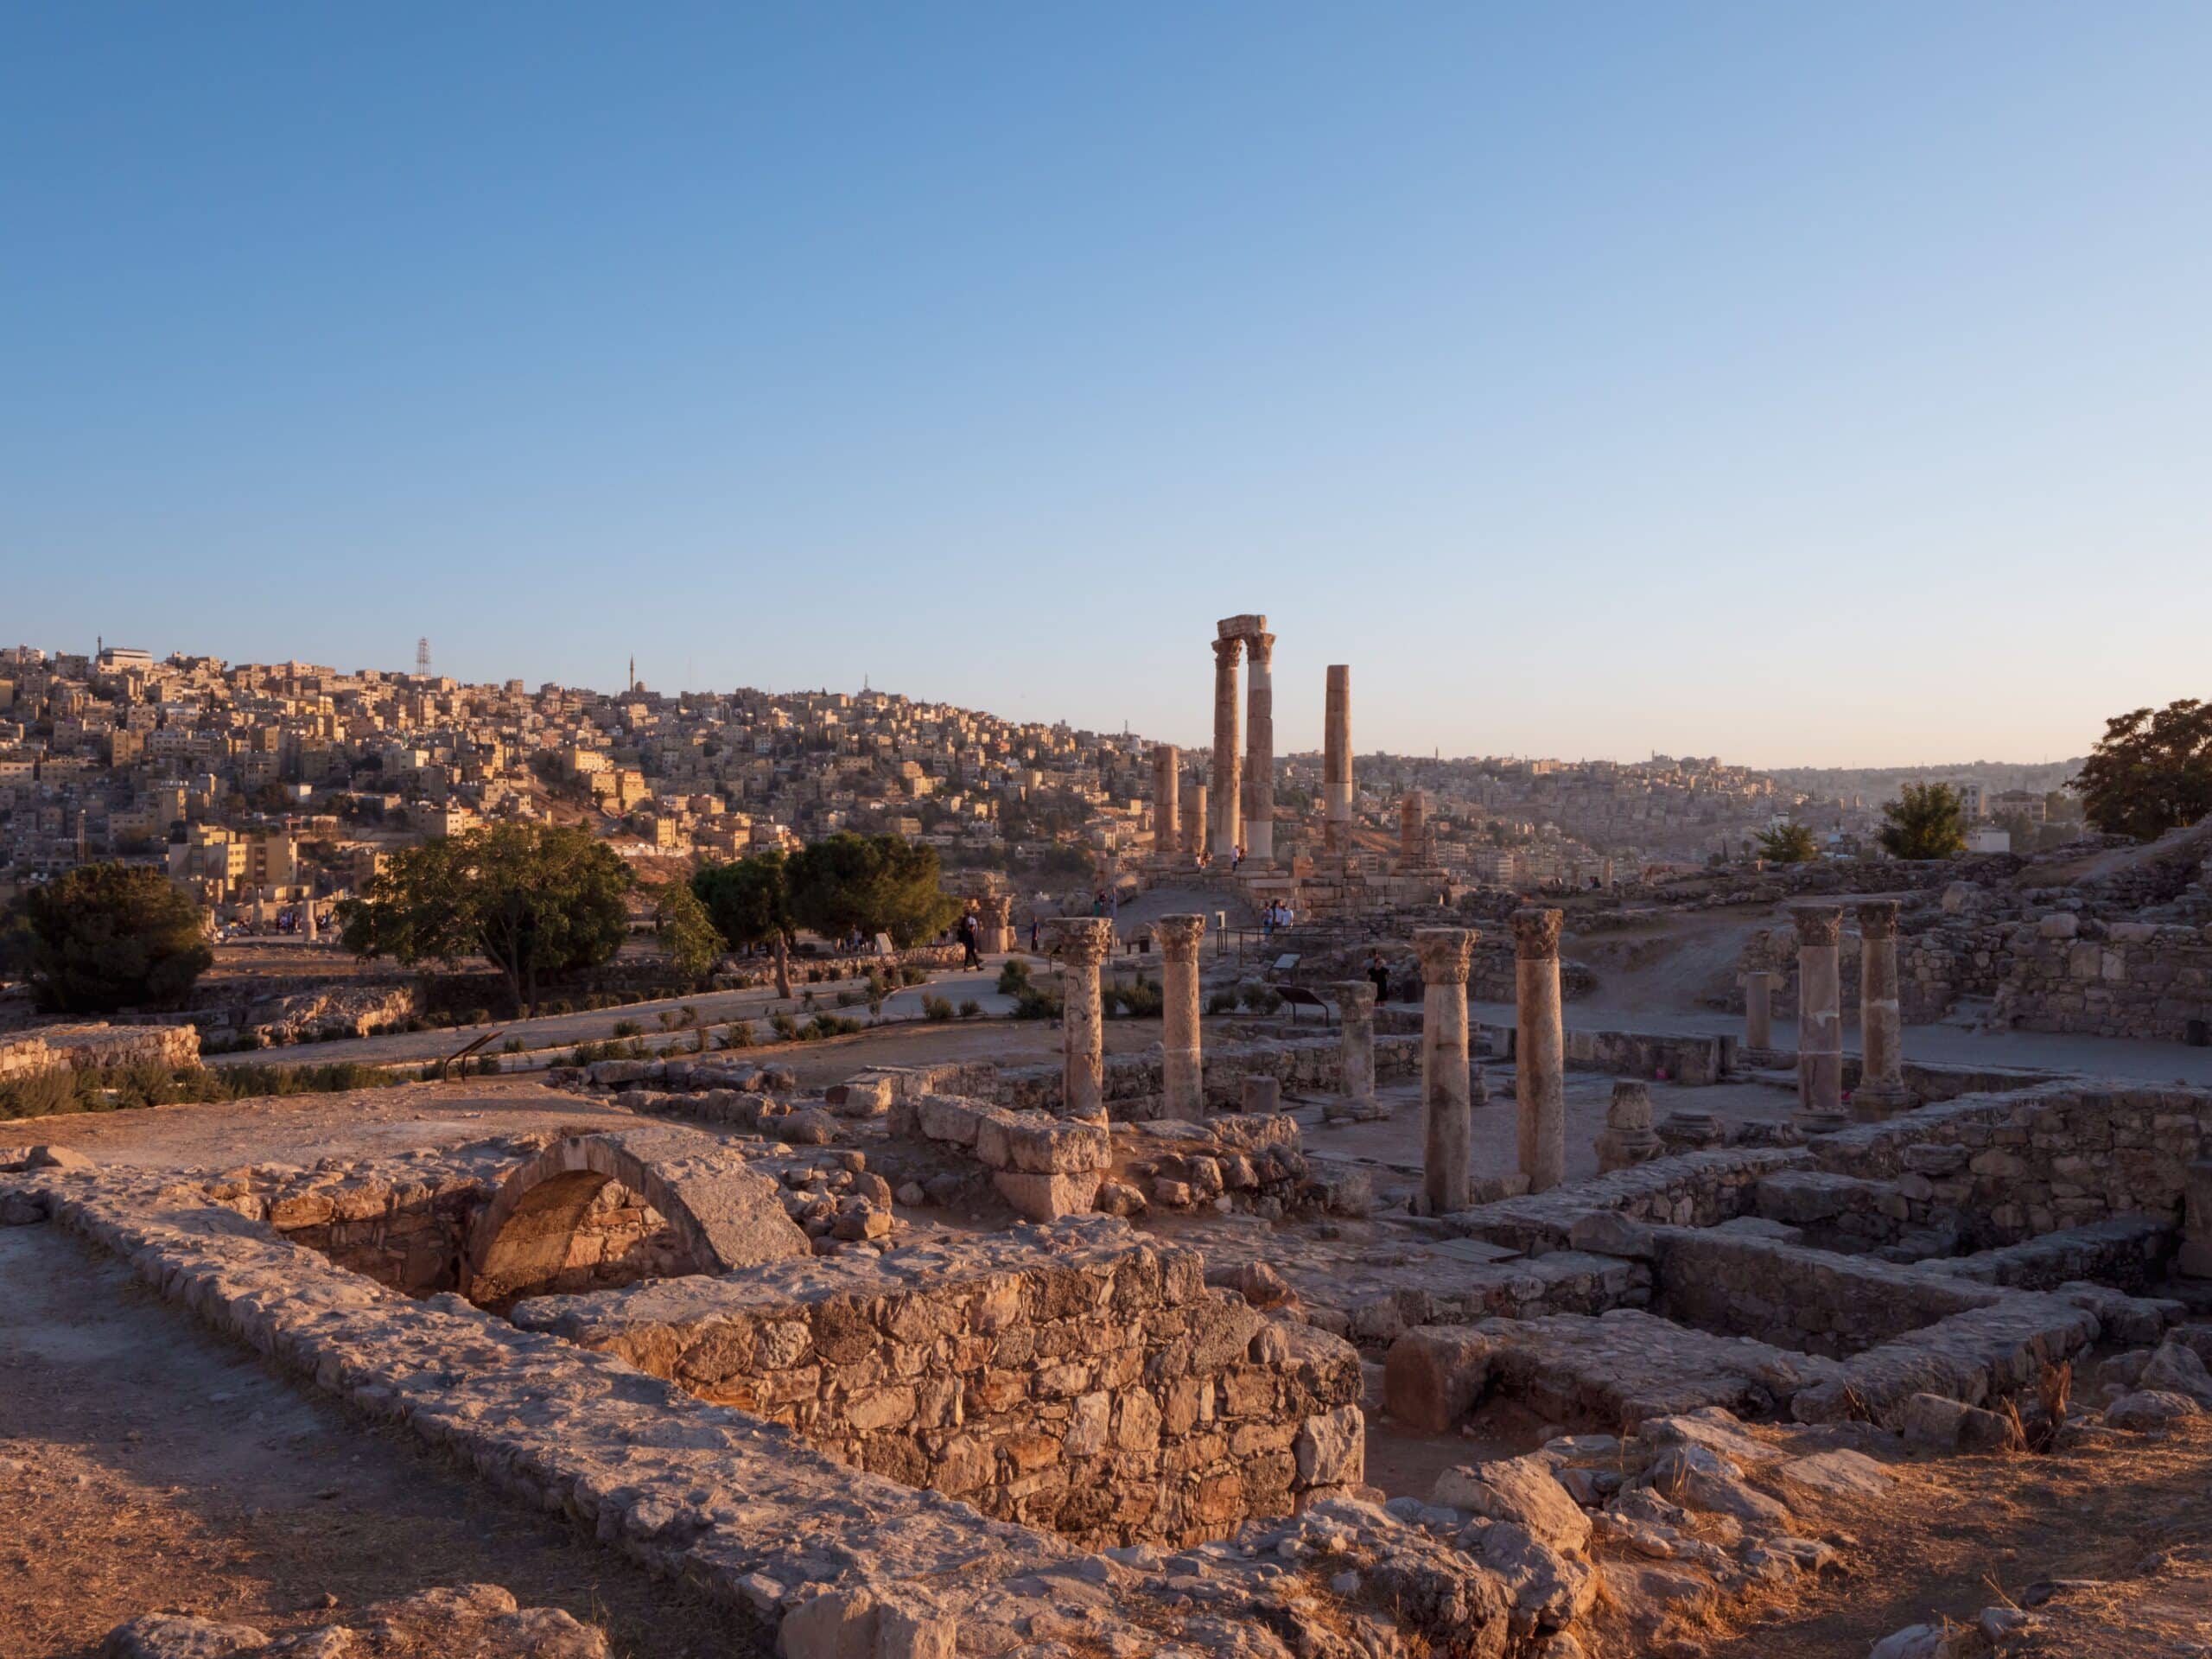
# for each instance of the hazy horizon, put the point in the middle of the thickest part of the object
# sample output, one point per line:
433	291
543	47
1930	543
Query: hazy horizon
1805	387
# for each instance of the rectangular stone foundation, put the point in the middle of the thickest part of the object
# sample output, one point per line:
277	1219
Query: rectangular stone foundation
1072	1376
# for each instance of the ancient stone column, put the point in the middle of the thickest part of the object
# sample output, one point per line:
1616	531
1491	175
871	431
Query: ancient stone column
1819	1018
1412	830
1446	1113
1226	829
1539	1048
1355	1036
1196	826
1336	761
1881	1091
1181	1077
1166	778
1081	943
996	915
1260	749
1758	1017
1628	1138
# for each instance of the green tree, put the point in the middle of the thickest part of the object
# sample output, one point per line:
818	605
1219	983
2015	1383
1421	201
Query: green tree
875	884
104	937
2151	772
535	900
685	930
1788	843
750	904
1927	822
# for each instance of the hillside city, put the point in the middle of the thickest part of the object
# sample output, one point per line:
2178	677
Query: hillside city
253	785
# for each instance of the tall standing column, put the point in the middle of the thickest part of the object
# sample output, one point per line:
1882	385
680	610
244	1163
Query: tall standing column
1182	1077
1260	749
1447	1129
1819	1018
997	915
1081	943
1540	1049
1758	1017
1336	761
1355	1000
1226	829
1166	779
1198	826
1881	1090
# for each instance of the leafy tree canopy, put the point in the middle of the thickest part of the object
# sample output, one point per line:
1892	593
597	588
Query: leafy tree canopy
104	937
748	902
1788	843
1927	822
2150	772
684	929
535	900
876	884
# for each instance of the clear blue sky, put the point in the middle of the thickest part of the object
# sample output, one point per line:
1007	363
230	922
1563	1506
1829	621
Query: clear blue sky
1803	384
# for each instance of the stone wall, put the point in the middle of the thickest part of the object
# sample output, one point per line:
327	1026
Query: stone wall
84	1048
1695	1189
831	1561
2053	969
1815	1302
1073	1378
2119	979
2007	1167
1308	1065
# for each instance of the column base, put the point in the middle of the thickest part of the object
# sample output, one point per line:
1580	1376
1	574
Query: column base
1766	1059
1872	1102
1820	1123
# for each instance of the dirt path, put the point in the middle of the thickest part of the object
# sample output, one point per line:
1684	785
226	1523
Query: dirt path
2132	1516
146	1465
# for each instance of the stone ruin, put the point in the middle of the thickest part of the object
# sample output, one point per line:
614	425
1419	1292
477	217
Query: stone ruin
1128	1405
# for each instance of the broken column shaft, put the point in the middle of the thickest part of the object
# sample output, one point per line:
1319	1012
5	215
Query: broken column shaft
1355	999
1540	1049
1082	944
1881	1090
1166	779
1447	1127
1182	1077
1819	1018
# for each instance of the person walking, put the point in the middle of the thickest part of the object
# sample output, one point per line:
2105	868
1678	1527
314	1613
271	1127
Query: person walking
968	958
1379	972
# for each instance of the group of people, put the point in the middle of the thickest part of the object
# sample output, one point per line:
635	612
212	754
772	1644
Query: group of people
1274	917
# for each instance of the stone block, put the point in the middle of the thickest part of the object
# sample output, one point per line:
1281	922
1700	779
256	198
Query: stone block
1433	1376
1047	1197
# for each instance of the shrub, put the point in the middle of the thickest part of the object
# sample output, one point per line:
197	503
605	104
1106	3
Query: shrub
627	1028
737	1034
1142	1000
42	1095
1259	998
1014	978
970	1008
488	1064
784	1026
1221	1002
912	973
1034	1002
849	998
936	1008
514	1046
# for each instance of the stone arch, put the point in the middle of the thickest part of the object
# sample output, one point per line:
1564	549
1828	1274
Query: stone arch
724	1214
